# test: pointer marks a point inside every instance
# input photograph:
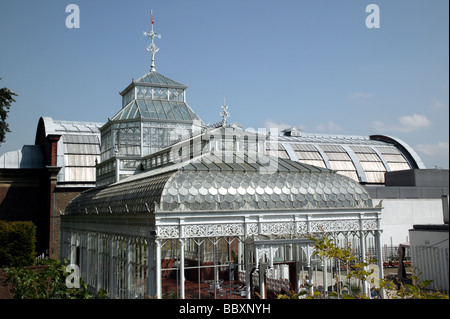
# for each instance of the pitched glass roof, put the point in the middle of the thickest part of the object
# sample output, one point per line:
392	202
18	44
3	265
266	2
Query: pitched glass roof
158	79
156	110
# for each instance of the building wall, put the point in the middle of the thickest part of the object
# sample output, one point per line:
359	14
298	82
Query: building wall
429	254
399	215
62	197
410	197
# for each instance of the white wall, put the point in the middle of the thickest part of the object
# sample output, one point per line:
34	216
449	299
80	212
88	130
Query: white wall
399	215
429	254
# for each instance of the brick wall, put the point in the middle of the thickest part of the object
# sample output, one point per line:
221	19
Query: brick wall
62	197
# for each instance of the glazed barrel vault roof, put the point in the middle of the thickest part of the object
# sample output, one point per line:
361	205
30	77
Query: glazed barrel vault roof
209	184
363	158
78	149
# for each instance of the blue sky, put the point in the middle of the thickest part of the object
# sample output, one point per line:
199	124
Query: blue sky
280	63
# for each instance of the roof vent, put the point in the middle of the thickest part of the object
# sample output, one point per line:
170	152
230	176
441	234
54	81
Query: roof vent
292	131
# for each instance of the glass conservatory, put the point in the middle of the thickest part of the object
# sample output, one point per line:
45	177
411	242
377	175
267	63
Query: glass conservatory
228	221
154	114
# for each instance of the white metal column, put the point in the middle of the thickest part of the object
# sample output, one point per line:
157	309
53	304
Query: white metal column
380	260
158	269
182	244
362	244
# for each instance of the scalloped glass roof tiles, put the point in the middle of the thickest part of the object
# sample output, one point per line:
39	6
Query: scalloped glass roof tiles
194	189
252	190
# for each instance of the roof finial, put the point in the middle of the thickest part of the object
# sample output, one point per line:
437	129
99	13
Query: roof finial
152	47
224	114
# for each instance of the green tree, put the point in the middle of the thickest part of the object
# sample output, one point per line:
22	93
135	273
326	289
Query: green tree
6	98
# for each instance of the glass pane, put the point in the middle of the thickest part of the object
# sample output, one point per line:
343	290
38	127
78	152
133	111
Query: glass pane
152	110
373	166
161	79
140	92
162	93
309	155
143	109
134	112
398	166
168	110
395	158
368	157
342	165
124	114
169	81
153	78
159	109
184	111
375	177
388	150
176	111
338	156
193	115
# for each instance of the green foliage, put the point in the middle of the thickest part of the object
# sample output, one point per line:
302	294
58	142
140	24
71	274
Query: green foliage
46	281
17	243
6	98
417	289
326	248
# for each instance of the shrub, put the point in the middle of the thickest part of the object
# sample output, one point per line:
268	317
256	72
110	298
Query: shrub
17	243
45	281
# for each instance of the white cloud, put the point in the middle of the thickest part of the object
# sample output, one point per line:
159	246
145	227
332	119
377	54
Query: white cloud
437	104
360	96
440	148
273	124
407	124
329	127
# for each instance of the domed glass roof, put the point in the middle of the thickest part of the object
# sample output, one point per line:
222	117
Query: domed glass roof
193	186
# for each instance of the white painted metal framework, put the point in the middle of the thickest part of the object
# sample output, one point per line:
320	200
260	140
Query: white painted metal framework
128	258
219	225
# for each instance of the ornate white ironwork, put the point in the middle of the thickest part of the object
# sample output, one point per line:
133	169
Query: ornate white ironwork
168	231
265	250
152	48
335	226
252	229
308	250
213	230
301	228
277	228
224	114
370	224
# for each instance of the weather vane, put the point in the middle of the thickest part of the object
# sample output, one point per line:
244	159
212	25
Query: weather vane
152	48
224	114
